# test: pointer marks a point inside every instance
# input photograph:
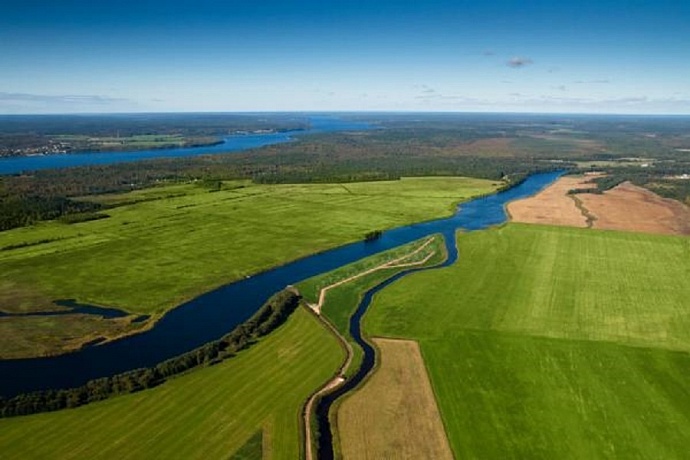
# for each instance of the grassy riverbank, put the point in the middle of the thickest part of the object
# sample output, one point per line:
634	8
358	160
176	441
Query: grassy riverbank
164	245
341	302
206	414
552	342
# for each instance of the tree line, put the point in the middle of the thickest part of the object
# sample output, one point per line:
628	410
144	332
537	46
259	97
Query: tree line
50	194
272	314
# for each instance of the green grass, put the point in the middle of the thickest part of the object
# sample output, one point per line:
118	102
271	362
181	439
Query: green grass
341	302
545	342
26	336
552	281
210	413
180	241
252	449
514	396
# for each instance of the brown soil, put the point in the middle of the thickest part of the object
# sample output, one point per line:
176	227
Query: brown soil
338	379
552	206
394	415
625	207
633	208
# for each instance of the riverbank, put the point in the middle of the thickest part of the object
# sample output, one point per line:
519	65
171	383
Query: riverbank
202	414
210	316
163	246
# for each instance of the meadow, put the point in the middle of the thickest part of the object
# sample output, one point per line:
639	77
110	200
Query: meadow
398	398
241	408
340	303
164	245
549	342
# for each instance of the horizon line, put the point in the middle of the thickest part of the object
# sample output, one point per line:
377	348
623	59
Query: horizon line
259	112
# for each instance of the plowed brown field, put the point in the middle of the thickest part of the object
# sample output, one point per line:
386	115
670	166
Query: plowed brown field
633	208
552	206
625	207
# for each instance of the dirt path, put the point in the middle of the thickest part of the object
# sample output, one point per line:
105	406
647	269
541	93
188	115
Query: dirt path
330	385
390	264
339	377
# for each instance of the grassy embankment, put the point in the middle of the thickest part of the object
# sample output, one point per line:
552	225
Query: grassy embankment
210	413
341	301
547	342
164	245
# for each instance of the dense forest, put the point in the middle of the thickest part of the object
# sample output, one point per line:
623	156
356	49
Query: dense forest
30	133
650	151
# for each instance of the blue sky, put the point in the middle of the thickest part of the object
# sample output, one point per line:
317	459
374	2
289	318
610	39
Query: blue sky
605	56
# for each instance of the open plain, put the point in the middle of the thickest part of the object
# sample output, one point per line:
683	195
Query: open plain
553	205
161	246
394	415
206	414
553	342
632	208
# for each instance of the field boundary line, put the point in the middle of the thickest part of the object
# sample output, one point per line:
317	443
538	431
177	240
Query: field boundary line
591	218
339	377
395	263
334	382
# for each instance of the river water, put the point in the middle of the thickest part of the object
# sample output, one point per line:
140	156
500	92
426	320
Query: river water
210	316
474	215
234	143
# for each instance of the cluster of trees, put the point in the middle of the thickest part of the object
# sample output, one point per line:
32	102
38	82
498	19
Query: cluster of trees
664	179
19	211
25	127
373	235
271	315
489	147
50	194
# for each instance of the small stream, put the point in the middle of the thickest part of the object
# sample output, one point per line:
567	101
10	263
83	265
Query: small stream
474	215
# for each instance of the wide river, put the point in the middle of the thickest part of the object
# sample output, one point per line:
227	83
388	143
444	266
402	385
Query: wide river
215	313
234	143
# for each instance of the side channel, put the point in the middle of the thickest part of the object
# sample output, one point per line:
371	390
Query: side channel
476	215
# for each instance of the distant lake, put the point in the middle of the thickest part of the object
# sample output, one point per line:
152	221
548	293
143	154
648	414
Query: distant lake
234	143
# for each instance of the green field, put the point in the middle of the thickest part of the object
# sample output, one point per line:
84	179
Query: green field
547	342
209	413
164	245
151	255
341	302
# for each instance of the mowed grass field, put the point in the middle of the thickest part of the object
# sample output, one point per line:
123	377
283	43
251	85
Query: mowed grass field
394	414
166	245
549	342
206	414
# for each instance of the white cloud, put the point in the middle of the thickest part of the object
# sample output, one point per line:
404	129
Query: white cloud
518	62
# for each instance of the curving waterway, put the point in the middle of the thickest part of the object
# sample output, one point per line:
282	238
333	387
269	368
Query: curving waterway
474	215
210	316
234	143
